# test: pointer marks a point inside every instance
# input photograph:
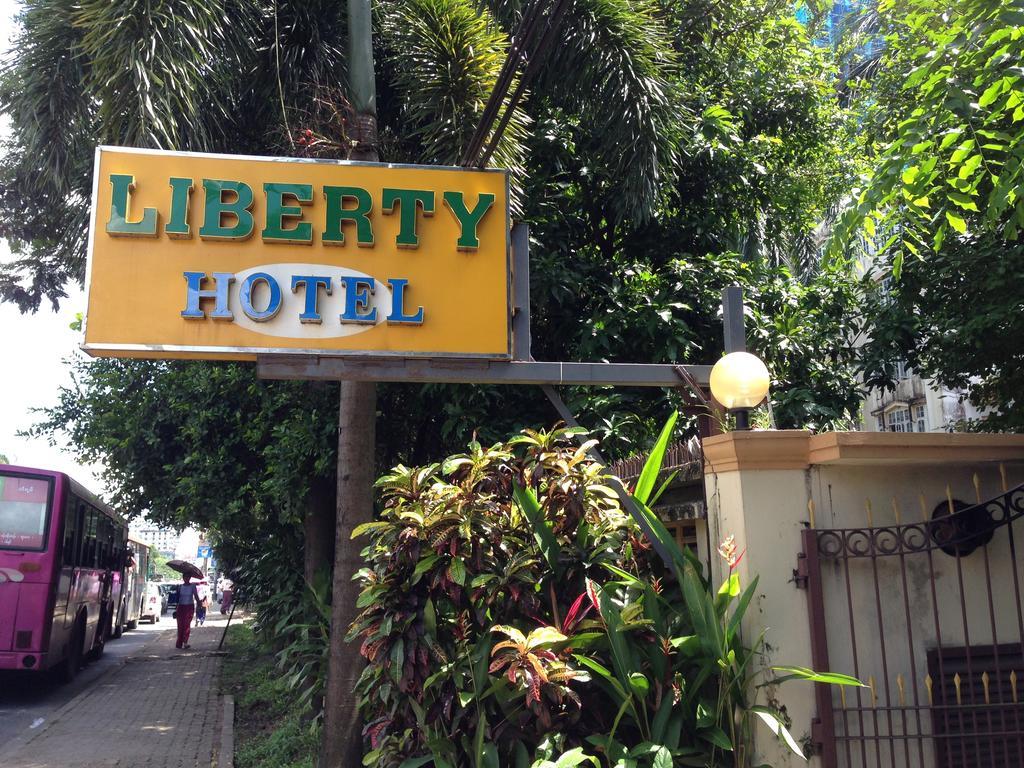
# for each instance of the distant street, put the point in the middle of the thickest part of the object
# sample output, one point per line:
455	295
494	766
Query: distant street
26	702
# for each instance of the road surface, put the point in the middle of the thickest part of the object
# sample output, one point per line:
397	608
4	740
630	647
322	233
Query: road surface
27	701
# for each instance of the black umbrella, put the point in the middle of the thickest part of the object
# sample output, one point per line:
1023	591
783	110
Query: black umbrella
185	568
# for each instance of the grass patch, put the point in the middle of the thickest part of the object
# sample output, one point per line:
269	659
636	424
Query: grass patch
269	732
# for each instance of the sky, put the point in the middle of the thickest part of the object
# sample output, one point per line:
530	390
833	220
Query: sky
33	348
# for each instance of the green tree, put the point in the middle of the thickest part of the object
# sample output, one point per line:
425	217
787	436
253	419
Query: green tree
206	444
158	566
943	207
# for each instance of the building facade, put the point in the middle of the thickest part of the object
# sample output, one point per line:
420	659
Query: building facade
165	540
916	405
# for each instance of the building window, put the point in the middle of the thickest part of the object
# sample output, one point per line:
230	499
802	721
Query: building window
920	418
902	370
881	422
885	289
899	420
684	532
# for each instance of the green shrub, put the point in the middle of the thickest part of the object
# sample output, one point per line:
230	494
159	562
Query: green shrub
292	617
514	616
452	557
291	744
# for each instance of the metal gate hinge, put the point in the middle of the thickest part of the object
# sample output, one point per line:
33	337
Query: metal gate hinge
800	572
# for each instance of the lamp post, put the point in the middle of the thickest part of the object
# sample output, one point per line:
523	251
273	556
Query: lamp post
739	381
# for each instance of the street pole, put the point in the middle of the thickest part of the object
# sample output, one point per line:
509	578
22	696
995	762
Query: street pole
341	743
735	337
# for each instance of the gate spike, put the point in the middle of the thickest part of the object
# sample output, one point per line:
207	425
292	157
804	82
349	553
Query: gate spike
810	511
984	686
1013	685
896	510
899	687
867	506
956	684
928	687
1002	476
871	686
949	499
977	488
924	507
842	696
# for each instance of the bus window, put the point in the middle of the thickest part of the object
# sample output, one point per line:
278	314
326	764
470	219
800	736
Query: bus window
24	502
106	535
73	523
89	543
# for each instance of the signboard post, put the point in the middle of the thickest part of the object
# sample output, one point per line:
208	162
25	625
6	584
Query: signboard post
329	270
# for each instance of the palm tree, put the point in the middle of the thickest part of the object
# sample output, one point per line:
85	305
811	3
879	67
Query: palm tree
244	75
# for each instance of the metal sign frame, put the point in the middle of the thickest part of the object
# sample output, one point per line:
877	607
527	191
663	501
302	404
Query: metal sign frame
521	369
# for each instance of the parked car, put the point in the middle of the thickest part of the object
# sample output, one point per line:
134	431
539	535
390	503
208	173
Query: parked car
172	597
152	604
166	591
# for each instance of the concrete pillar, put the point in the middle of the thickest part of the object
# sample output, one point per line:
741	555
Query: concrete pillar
757	490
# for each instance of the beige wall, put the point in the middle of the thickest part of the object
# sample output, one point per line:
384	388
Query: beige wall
759	485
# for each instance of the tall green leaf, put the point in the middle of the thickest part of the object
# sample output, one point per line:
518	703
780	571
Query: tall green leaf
649	474
545	539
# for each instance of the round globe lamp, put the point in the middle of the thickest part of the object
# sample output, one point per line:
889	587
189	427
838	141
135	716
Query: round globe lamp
739	381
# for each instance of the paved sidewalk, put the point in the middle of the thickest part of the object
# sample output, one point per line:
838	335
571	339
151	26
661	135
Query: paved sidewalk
159	710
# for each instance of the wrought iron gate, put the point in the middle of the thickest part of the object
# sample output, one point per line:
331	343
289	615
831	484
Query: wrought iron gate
929	616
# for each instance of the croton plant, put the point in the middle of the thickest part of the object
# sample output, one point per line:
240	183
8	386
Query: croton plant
514	615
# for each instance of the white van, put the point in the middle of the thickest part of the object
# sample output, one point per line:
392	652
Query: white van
151	603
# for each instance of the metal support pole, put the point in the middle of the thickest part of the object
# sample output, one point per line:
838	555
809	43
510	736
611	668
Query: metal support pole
521	292
231	615
732	319
440	370
735	339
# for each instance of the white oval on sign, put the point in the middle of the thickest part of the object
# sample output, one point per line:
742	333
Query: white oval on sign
286	322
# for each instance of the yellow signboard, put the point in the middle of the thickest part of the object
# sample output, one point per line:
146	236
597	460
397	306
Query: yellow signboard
223	257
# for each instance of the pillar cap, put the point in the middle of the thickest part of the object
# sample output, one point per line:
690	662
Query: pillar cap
799	449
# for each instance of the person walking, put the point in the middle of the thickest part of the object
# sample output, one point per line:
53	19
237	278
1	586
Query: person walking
204	602
227	588
188	601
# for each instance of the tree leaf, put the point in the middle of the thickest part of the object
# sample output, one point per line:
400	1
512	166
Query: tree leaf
802	673
652	467
956	222
457	571
545	539
771	719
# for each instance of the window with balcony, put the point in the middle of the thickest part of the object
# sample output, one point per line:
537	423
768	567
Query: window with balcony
899	420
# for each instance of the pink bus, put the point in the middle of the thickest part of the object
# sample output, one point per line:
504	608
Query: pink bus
63	556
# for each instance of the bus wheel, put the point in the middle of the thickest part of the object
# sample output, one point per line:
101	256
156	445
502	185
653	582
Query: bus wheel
101	642
73	662
118	626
